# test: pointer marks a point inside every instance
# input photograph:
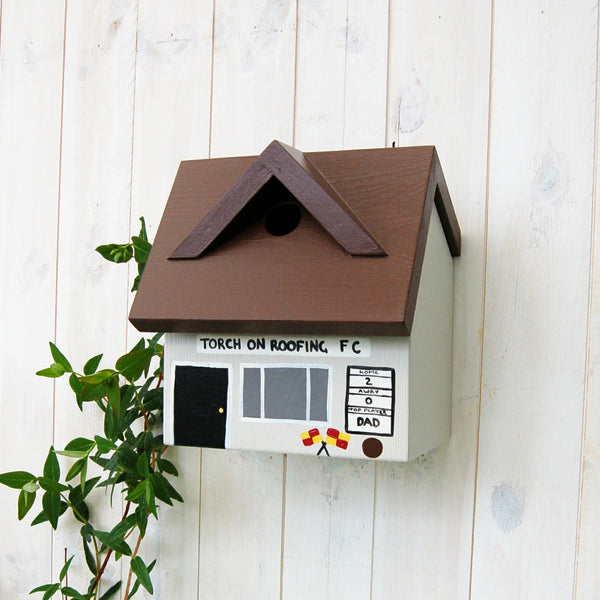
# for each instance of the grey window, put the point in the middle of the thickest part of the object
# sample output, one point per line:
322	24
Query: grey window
285	393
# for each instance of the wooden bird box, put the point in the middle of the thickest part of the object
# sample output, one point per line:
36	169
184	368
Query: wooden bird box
307	300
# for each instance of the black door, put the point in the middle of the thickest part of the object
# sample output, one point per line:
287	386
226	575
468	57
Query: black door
200	406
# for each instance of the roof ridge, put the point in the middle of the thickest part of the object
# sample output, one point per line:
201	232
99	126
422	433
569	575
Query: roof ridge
295	171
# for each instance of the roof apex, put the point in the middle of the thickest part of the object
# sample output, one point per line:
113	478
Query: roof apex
294	170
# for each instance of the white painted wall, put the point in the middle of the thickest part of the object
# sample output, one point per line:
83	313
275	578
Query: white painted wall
99	101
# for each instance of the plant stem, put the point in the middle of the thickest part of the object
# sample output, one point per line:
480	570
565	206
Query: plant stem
108	554
134	554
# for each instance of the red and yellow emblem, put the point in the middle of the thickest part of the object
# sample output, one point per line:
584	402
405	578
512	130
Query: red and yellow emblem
313	436
337	438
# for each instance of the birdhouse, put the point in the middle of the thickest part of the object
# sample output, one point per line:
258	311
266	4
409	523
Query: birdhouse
307	302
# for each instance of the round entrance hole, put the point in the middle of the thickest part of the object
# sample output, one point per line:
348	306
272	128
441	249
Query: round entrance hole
283	218
372	448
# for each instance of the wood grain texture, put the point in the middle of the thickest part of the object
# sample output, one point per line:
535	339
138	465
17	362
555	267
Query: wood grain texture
339	65
253	75
172	122
424	510
95	190
307	185
541	176
250	512
587	577
328	531
588	546
312	286
252	104
31	50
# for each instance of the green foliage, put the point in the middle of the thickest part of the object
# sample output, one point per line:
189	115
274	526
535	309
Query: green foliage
139	249
128	450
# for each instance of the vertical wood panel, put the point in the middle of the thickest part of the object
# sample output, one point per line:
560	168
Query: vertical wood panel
341	81
438	94
541	173
253	75
95	206
172	123
587	581
31	49
252	103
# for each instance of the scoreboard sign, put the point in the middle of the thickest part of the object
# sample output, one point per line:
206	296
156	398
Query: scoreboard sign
370	400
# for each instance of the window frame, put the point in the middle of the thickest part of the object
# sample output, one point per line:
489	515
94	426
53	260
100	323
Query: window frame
307	368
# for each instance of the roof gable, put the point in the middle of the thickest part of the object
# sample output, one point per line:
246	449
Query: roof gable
305	182
304	282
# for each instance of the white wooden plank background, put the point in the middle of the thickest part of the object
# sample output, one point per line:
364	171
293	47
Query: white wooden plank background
341	69
31	64
172	87
538	262
252	103
508	94
441	102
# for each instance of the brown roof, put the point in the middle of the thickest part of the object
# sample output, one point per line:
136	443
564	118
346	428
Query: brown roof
350	267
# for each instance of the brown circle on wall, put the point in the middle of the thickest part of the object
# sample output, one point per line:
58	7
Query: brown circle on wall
372	448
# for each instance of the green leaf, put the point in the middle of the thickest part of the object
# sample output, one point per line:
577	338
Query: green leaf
49	588
113	393
134	363
99	377
51	503
139	490
80	444
63	571
125	457
42	517
143	233
89	485
16	479
93	392
76	468
92	364
59	358
134	287
122	528
103	444
111	591
44	588
153	400
86	532
77	388
116	543
77	448
32	487
141	249
139	568
52	371
117	253
72	453
160	489
82	477
151	501
143	468
25	502
50	485
89	557
51	466
168	467
140	345
172	491
69	592
110	428
141	515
